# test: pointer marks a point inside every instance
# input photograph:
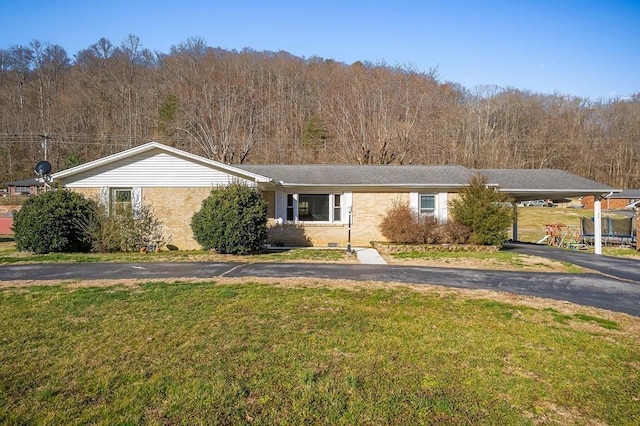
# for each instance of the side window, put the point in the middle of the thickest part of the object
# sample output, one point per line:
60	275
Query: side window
337	213
121	200
427	204
290	208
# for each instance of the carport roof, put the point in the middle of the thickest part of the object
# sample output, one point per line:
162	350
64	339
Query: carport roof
521	184
627	193
530	184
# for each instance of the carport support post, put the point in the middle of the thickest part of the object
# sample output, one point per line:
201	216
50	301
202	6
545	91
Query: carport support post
349	232
597	223
514	232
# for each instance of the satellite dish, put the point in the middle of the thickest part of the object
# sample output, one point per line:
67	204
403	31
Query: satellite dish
43	168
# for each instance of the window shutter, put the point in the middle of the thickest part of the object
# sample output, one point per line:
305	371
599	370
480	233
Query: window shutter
281	201
104	197
347	202
136	200
442	206
414	201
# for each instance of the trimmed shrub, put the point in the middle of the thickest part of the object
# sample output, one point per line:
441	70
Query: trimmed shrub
126	231
398	225
427	229
453	232
232	220
403	226
482	209
52	222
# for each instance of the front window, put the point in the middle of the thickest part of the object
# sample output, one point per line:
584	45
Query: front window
427	204
121	200
314	207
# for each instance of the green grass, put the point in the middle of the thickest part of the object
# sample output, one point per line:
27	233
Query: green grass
620	251
194	353
10	255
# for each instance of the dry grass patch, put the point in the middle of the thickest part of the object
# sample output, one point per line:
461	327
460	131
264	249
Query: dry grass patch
504	261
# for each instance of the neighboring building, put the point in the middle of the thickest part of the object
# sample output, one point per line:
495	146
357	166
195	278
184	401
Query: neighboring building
24	187
307	204
616	200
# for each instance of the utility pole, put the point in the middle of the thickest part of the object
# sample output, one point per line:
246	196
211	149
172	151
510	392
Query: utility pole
45	139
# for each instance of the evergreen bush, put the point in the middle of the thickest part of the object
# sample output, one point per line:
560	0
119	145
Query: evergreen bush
232	220
484	211
52	222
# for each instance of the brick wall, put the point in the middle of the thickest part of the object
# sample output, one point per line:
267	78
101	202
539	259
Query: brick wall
607	203
174	207
368	211
90	193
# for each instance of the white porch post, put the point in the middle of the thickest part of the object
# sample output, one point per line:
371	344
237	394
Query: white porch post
514	232
597	223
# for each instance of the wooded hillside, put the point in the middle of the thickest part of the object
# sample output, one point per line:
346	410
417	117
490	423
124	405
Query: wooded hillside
272	107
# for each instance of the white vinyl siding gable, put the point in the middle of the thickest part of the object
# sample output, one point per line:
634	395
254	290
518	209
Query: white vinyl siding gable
158	170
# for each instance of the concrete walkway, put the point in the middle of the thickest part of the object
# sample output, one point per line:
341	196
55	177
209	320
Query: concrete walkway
369	256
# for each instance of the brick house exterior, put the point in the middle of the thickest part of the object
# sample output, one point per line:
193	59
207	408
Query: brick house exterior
31	186
307	204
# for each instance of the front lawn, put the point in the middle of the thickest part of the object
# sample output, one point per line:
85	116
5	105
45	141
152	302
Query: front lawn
307	352
8	254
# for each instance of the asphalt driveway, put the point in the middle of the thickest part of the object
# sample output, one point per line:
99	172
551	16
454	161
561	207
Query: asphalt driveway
618	267
620	292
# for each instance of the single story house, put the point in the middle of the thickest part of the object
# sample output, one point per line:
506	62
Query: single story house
307	204
30	186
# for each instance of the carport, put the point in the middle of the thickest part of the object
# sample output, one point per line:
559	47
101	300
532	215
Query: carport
535	184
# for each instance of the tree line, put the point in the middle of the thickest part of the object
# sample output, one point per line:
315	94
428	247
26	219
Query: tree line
272	107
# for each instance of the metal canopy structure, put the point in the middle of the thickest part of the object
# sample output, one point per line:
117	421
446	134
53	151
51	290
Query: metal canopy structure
532	184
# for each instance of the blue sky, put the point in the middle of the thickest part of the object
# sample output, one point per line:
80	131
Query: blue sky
580	48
